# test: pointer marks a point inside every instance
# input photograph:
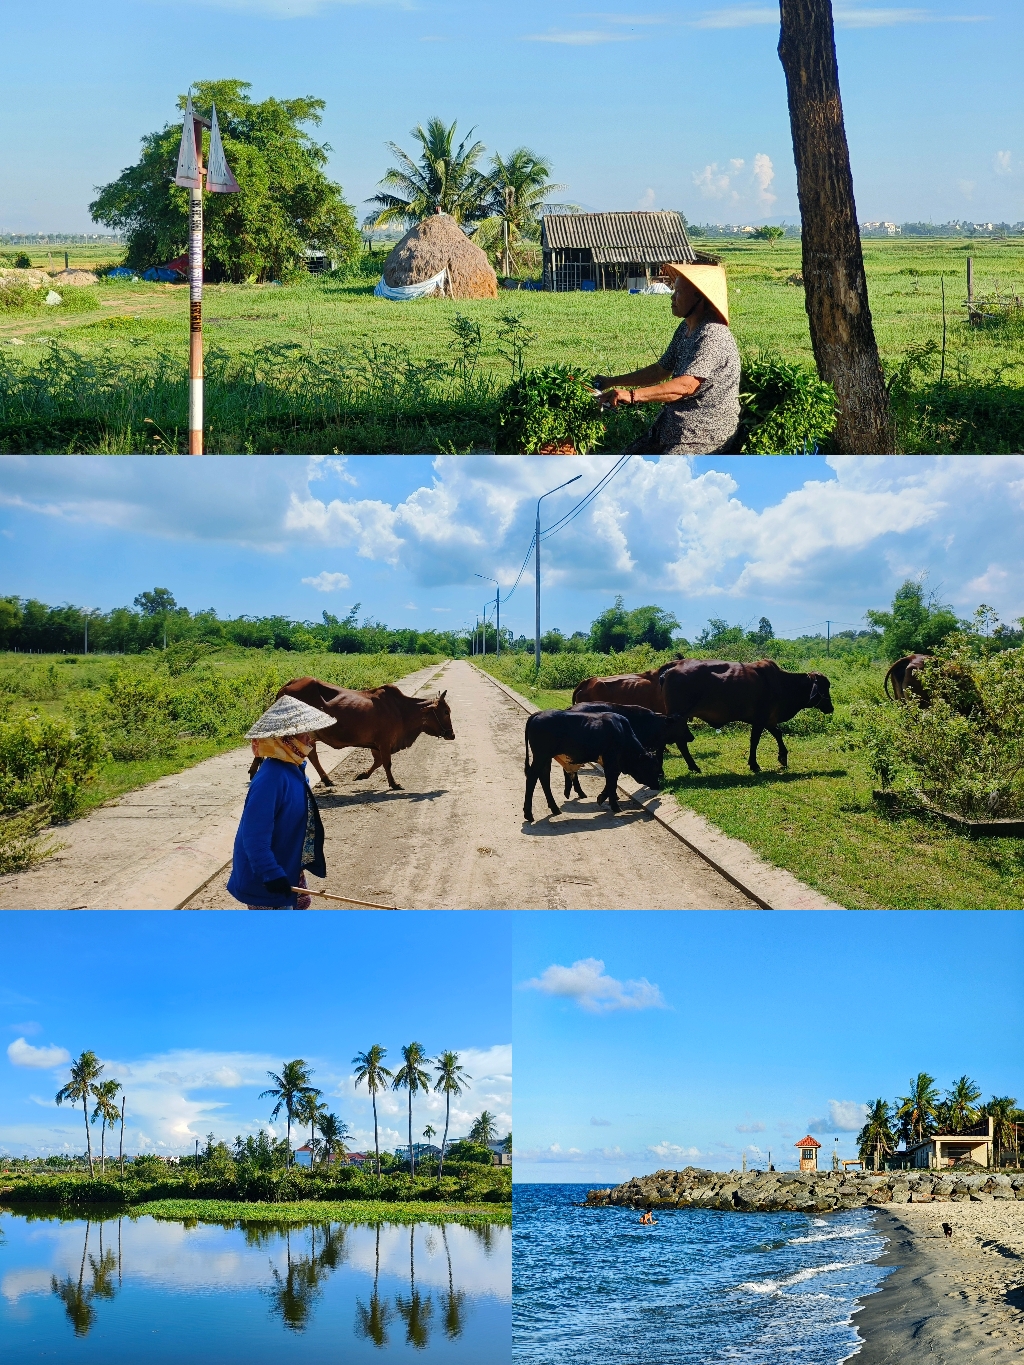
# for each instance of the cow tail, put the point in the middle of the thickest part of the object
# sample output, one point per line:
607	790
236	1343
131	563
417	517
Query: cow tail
885	685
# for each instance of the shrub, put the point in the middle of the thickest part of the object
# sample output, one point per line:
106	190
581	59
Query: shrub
549	406
964	751
786	408
45	763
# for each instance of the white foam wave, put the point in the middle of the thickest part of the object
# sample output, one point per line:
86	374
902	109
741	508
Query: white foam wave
773	1286
830	1236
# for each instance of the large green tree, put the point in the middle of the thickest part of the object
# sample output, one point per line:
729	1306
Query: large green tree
369	1067
914	622
82	1087
620	629
412	1077
451	1077
960	1109
290	1090
876	1139
916	1111
286	202
518	185
444	179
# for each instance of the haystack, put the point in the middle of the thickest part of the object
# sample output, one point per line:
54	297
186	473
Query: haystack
79	278
435	244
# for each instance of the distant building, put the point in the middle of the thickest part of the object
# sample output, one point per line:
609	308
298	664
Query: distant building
808	1149
881	229
611	250
944	1148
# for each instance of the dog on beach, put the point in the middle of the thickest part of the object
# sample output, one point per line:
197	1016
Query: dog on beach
947	1231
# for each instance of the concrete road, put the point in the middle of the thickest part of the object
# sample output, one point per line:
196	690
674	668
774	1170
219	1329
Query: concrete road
454	837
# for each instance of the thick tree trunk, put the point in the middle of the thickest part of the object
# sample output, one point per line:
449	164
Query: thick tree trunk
836	292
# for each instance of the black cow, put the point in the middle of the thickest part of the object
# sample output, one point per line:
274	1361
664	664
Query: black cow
581	737
761	694
653	730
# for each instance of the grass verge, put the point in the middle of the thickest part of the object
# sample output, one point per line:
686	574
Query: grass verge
323	1211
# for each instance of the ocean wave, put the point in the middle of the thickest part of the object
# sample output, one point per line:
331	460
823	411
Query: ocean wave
773	1286
831	1236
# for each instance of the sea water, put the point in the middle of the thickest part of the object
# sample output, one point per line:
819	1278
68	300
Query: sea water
700	1288
144	1291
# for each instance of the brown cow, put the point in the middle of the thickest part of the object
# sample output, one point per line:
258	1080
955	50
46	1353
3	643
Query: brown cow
761	694
624	689
906	677
381	719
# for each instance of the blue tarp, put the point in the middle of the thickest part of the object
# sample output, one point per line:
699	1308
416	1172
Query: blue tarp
119	273
161	273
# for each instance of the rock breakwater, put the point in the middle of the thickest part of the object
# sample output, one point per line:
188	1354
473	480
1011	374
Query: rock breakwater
806	1191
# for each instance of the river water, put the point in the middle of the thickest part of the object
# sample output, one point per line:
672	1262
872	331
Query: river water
699	1288
148	1292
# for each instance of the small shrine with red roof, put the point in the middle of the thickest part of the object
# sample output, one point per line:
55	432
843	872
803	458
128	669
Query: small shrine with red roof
808	1149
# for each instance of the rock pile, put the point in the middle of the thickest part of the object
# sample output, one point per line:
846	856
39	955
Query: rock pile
805	1191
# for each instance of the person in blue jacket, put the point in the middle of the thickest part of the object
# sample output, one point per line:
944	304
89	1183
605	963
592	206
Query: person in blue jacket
280	834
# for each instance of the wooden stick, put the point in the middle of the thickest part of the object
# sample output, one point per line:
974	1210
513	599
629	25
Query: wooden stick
346	900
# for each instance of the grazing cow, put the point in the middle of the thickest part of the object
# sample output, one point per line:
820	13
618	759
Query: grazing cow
906	675
654	732
576	737
381	719
760	694
625	689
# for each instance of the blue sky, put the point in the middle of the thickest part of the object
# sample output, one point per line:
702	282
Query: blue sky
638	106
190	1011
798	539
646	1040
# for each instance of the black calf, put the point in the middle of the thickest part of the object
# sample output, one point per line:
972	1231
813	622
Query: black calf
585	737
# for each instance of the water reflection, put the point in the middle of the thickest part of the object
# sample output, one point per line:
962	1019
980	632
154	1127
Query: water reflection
436	1289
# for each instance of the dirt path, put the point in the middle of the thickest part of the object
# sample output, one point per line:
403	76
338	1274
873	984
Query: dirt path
454	838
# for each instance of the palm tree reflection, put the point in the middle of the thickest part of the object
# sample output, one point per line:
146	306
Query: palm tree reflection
455	1299
293	1294
77	1297
417	1308
372	1323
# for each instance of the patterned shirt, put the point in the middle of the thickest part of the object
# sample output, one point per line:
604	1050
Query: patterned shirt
706	422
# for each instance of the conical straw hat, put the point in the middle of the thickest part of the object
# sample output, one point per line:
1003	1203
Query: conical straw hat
289	716
710	280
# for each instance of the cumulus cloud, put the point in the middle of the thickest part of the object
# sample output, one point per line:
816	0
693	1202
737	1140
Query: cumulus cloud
647	199
24	1054
594	990
714	184
844	1116
672	1151
557	1155
764	174
1002	163
750	1127
328	582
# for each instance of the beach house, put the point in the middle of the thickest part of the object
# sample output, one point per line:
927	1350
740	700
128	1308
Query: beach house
946	1147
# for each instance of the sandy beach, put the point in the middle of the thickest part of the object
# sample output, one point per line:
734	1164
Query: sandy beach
955	1301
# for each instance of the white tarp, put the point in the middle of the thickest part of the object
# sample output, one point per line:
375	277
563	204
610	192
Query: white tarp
402	293
219	179
187	175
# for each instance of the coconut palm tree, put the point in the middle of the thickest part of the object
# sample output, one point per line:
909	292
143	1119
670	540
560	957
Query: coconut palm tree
369	1069
333	1132
1002	1110
483	1129
288	1089
310	1109
444	179
82	1086
916	1111
106	1111
451	1077
876	1139
412	1077
518	186
961	1104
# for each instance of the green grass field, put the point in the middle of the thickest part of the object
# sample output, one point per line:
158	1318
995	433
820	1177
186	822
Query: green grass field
818	819
276	348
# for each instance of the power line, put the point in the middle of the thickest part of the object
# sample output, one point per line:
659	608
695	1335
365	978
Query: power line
586	500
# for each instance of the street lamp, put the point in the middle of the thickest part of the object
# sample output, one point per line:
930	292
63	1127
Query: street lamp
219	180
497	600
92	611
536	540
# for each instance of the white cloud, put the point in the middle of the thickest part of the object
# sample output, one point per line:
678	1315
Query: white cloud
966	188
24	1054
647	199
600	1123
713	183
672	1152
844	1116
750	1127
588	984
739	16
764	174
328	582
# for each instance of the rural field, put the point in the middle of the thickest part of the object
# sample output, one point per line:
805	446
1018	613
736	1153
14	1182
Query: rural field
324	366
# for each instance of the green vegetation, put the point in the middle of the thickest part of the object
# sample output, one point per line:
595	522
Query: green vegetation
548	409
351	1211
923	1111
321	364
286	203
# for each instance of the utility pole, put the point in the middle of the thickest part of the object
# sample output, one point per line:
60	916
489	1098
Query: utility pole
219	180
828	639
497	603
536	563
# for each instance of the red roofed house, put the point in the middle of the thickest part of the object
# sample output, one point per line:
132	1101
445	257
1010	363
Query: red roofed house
808	1153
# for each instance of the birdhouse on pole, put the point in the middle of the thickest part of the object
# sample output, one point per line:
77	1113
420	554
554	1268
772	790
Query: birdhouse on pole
808	1149
219	180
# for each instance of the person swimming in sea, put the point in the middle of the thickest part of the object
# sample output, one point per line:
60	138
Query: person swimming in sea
648	1219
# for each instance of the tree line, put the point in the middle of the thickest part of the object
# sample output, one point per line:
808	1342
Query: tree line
916	1116
302	1103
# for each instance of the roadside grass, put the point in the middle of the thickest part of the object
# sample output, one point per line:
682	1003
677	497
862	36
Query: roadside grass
226	1211
44	685
322	365
818	819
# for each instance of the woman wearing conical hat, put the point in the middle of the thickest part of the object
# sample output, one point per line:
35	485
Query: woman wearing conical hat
280	834
697	380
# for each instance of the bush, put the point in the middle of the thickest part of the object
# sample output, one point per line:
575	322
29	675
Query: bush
549	406
964	751
45	763
786	408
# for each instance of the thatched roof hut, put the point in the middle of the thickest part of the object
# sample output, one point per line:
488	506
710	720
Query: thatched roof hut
436	245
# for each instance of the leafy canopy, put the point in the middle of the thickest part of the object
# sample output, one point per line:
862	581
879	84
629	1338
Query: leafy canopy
286	203
444	179
914	623
619	629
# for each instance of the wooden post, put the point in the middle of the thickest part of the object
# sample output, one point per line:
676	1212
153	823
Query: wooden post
835	290
970	279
